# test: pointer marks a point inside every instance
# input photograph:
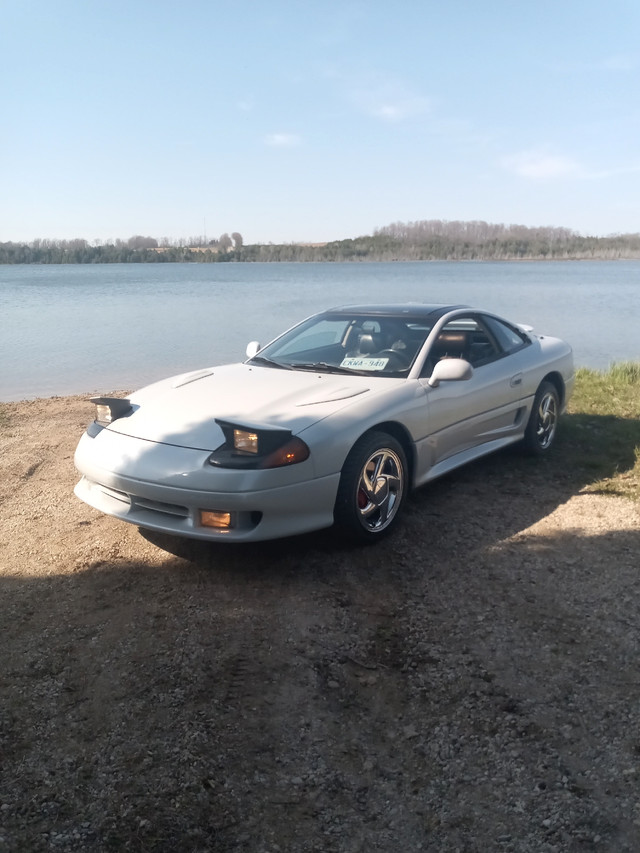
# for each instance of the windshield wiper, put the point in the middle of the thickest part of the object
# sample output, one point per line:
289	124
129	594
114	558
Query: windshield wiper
269	362
326	368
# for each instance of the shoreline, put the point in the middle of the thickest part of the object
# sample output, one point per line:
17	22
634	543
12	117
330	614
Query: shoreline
533	259
82	395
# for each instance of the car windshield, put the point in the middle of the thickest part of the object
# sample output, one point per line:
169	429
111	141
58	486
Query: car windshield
348	343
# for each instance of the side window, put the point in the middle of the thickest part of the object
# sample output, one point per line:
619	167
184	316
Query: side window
509	337
466	338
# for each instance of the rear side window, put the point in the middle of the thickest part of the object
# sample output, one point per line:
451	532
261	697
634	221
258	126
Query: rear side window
478	339
509	337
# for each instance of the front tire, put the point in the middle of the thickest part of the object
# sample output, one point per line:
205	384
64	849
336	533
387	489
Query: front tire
372	490
541	430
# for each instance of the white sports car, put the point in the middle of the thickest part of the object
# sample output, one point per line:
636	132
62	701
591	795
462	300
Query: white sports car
330	424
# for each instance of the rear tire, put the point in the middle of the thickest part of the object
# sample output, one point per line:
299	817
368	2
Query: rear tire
541	430
372	490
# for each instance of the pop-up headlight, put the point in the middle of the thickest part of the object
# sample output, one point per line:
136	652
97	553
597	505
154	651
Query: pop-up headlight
265	447
108	409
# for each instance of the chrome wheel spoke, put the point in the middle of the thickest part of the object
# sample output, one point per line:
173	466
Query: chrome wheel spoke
379	488
547	420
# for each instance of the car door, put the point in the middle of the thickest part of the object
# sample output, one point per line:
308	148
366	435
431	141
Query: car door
488	407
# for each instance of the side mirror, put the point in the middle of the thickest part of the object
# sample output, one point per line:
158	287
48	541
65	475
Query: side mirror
450	370
252	349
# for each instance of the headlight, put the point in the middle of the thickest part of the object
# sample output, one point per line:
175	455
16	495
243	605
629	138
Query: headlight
245	441
245	447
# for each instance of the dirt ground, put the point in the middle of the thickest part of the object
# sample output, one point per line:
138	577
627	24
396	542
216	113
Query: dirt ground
470	684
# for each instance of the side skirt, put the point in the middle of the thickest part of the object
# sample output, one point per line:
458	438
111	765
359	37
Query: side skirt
460	459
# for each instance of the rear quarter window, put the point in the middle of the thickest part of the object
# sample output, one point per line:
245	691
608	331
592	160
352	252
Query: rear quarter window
508	337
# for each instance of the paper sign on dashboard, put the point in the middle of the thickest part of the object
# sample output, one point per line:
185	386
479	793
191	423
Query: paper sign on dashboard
360	363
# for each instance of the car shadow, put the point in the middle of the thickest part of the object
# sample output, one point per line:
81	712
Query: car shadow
302	691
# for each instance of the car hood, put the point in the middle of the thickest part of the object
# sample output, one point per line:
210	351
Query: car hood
182	410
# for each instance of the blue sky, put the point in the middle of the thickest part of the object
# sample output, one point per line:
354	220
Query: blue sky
312	121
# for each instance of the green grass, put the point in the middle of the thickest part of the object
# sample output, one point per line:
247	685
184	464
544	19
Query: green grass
600	437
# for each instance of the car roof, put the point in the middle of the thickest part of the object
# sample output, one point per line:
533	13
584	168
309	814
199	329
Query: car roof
422	310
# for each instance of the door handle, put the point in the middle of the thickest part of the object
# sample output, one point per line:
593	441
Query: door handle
516	380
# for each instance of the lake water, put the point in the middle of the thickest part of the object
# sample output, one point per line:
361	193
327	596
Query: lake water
76	328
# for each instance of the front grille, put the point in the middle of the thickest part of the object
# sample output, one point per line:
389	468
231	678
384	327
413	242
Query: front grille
159	506
138	503
123	497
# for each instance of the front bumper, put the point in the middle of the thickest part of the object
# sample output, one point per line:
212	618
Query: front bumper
165	488
257	516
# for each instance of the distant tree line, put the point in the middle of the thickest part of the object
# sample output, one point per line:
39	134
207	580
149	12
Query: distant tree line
432	240
137	249
478	240
426	240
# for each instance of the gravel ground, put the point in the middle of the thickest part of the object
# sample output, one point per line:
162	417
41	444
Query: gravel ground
469	684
